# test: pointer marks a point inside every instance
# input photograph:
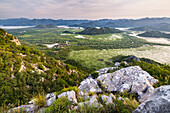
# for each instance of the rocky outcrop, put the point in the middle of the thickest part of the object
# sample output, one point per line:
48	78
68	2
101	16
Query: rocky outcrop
131	79
71	95
158	102
89	85
16	41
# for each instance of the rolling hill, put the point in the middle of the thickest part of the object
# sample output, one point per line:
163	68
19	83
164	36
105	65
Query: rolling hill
97	31
46	26
155	34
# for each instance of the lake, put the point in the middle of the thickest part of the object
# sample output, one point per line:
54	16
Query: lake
14	27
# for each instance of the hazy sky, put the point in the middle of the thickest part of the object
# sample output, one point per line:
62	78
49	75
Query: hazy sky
84	9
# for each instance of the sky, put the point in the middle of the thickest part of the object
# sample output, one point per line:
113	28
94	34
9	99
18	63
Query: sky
84	9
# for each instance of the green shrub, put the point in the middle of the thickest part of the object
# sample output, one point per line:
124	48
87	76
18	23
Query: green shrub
61	105
95	75
40	66
91	93
68	67
40	100
74	88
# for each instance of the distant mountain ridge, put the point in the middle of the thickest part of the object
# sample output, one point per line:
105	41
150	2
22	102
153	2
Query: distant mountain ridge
34	22
124	22
87	23
156	27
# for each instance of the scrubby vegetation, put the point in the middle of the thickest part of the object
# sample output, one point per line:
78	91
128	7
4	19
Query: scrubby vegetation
119	106
39	99
25	71
61	105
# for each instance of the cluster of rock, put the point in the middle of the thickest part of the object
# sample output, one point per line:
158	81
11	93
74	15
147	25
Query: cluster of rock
131	79
158	102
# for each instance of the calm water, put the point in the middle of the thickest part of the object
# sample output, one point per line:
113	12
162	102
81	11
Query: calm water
14	27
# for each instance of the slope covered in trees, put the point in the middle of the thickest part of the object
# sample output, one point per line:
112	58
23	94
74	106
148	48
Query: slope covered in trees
155	34
46	26
26	71
97	31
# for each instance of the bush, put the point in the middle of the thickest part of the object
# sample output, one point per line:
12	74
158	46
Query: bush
61	105
74	88
40	100
40	66
95	75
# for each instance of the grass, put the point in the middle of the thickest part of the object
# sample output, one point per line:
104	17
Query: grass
74	88
89	58
26	36
39	99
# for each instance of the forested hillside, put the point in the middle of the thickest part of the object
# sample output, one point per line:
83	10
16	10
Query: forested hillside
26	71
97	31
155	34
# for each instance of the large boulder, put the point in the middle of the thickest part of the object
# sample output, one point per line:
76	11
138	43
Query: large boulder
158	102
131	79
89	85
71	95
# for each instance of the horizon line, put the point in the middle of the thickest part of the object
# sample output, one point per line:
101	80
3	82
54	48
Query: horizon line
84	18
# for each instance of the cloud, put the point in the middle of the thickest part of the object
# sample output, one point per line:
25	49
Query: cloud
81	9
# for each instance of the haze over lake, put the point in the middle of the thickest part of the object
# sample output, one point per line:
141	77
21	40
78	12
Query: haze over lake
14	27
